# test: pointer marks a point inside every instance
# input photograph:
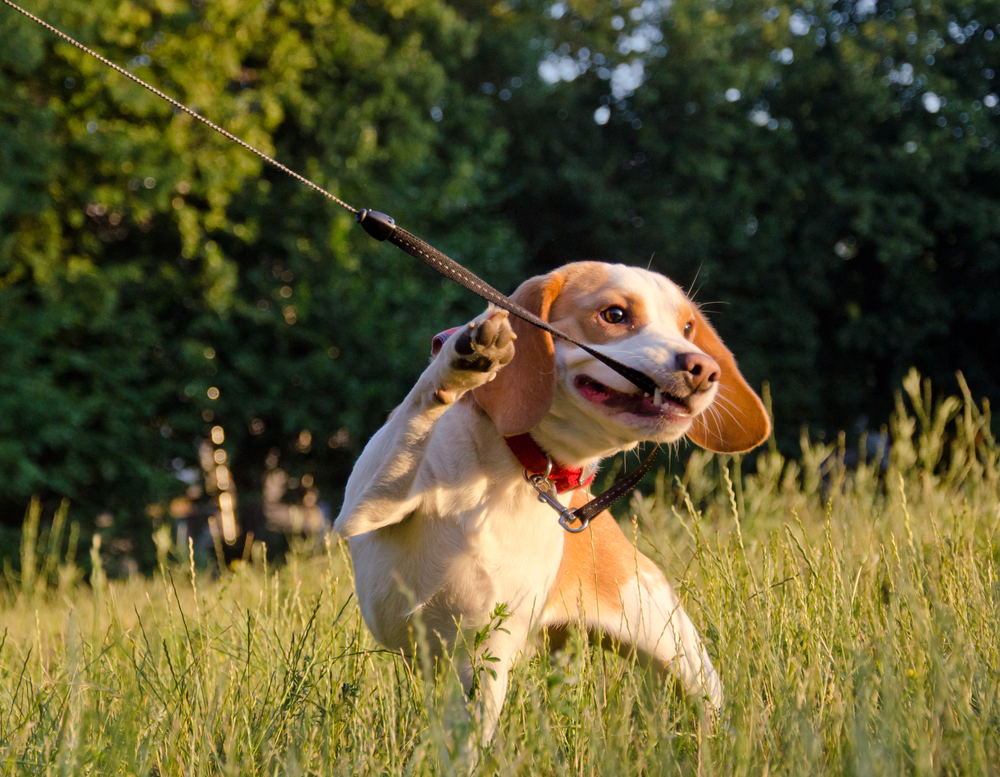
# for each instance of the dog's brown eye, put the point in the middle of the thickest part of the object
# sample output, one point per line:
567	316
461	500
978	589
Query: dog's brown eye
689	330
614	314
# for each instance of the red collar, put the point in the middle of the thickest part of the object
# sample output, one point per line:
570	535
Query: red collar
526	450
534	460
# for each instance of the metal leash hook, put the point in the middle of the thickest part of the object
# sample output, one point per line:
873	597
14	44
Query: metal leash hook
542	485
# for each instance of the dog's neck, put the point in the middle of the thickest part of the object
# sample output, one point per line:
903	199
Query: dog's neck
576	444
537	461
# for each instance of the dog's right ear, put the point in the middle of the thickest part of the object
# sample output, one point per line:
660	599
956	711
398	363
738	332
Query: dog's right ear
521	394
739	421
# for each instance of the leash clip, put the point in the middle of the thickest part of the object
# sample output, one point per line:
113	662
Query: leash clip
542	485
378	225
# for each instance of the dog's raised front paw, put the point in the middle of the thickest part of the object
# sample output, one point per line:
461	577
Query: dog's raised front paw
472	356
485	345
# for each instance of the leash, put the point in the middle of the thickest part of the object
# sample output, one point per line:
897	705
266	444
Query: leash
382	227
188	111
541	483
545	476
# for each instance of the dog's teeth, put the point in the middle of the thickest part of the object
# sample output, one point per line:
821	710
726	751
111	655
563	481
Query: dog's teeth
491	377
657	399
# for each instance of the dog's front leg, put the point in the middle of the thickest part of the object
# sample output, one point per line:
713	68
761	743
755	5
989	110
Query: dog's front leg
493	691
380	490
485	672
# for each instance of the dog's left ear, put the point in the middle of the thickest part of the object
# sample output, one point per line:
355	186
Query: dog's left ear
521	394
736	420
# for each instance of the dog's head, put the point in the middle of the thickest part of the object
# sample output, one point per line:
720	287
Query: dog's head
641	319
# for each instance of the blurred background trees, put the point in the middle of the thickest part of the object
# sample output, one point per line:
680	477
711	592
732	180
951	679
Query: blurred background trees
822	175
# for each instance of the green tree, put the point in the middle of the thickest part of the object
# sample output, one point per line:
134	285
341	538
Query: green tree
825	170
146	259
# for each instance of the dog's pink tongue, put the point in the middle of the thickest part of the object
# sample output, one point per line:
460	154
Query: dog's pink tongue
639	404
592	392
603	395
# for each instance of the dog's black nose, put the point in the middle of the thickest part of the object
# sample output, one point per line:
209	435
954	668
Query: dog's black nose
700	371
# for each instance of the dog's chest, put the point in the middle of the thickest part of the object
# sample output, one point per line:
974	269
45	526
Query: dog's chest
506	545
478	537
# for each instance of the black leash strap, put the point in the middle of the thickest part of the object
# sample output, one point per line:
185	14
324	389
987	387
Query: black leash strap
383	227
595	506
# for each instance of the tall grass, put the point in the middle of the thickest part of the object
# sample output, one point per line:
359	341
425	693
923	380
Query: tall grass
853	611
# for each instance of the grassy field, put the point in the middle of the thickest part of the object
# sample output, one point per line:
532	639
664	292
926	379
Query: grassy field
853	611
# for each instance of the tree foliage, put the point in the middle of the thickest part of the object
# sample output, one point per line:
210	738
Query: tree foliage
147	260
827	170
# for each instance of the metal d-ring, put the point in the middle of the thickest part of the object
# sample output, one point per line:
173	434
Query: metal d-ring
542	484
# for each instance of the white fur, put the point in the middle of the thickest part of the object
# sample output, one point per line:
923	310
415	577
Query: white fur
441	520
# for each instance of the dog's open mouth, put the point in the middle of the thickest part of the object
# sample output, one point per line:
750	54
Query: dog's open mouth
660	404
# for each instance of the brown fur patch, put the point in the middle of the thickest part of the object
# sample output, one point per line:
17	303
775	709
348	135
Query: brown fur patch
522	393
594	563
586	293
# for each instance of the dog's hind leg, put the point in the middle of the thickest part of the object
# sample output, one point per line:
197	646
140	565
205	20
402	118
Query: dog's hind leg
605	582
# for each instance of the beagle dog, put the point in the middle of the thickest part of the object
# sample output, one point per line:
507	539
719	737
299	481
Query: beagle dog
443	522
